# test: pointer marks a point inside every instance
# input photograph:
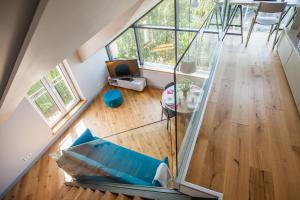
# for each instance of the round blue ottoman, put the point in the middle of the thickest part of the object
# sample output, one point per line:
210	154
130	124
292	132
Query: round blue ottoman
113	98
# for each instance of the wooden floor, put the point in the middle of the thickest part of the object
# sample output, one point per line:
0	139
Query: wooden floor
45	179
249	145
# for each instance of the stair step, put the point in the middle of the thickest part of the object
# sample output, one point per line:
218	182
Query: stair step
109	196
97	195
122	197
70	195
137	198
80	193
62	191
85	195
80	190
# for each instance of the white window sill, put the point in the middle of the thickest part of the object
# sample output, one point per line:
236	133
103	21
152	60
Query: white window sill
164	69
158	67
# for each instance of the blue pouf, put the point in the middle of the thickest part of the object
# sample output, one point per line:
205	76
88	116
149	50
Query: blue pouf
113	98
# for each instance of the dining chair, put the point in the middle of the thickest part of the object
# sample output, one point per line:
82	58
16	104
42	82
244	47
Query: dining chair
168	113
274	20
169	85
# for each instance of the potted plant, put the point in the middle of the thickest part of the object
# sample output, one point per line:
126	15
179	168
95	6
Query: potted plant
185	87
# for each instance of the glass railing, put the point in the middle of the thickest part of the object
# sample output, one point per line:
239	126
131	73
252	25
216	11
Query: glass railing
193	77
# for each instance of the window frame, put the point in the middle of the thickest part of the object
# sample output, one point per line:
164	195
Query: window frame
135	26
50	89
32	102
71	86
148	63
136	43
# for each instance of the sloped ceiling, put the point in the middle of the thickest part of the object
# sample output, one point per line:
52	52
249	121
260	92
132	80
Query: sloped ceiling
58	28
105	35
15	20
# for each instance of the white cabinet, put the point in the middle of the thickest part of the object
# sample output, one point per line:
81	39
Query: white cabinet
284	50
290	59
292	71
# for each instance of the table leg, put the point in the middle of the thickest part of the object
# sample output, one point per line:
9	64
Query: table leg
217	22
241	18
230	19
220	15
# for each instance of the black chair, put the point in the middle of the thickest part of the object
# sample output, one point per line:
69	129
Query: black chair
169	85
168	113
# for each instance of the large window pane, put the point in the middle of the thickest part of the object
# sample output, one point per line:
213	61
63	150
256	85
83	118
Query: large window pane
162	15
158	46
193	17
124	47
184	39
44	102
61	86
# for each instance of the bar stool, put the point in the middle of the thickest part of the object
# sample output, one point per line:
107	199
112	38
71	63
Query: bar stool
271	8
217	14
232	13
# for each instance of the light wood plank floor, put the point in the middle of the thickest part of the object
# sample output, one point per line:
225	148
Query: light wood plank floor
249	147
249	144
45	179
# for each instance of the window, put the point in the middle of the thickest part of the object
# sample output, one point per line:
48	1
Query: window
124	47
166	29
61	87
158	46
44	102
162	15
54	95
193	17
184	39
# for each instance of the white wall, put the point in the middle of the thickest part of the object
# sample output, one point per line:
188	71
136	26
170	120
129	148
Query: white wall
24	133
91	75
157	79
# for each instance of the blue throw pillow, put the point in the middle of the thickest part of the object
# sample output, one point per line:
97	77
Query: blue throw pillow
86	136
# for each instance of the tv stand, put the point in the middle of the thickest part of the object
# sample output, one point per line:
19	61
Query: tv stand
134	83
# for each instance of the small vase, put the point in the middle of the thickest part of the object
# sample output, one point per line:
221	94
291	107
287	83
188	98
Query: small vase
184	93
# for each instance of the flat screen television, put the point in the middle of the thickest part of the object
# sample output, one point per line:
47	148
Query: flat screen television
123	68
